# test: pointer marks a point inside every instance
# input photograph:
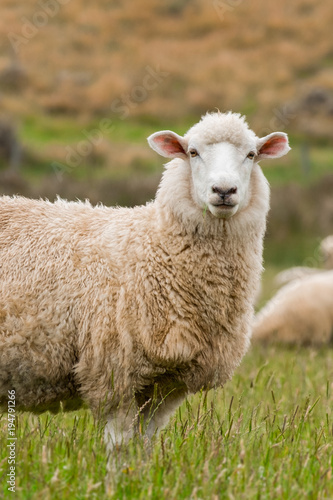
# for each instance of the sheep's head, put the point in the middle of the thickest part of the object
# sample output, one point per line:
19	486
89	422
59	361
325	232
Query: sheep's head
221	151
326	249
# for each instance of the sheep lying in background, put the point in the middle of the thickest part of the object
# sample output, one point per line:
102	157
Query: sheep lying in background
300	313
128	308
298	272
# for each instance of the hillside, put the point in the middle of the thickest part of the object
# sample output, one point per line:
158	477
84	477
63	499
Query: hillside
162	59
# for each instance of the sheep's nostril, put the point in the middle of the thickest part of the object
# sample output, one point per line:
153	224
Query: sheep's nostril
224	192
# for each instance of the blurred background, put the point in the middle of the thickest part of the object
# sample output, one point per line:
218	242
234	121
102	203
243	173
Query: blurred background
82	84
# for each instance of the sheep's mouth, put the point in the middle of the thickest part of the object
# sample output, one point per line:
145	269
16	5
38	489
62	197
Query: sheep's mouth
224	204
223	210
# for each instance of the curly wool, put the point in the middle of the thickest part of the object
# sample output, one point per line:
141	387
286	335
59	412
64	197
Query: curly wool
223	127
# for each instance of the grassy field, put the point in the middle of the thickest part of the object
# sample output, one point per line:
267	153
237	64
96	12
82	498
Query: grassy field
267	434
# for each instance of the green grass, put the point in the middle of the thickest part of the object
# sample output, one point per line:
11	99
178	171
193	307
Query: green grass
268	434
46	129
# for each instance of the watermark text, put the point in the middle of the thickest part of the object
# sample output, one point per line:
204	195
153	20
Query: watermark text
11	442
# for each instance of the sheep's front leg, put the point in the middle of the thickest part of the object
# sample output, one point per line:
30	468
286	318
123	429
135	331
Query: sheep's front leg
119	428
156	414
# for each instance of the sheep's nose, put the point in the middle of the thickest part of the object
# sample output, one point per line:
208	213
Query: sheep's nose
224	193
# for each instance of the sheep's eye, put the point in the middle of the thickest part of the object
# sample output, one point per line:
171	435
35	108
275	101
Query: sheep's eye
251	155
193	153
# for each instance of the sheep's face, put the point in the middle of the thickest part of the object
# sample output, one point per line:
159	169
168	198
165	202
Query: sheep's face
220	169
221	174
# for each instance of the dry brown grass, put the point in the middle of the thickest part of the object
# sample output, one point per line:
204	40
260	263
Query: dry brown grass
251	56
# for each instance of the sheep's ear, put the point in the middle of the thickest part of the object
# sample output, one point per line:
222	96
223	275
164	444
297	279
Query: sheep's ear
273	145
168	144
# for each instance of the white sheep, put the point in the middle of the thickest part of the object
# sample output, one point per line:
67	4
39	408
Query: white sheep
126	308
301	312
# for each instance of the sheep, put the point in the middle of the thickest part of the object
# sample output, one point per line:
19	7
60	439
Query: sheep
301	313
298	272
135	308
